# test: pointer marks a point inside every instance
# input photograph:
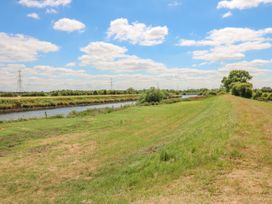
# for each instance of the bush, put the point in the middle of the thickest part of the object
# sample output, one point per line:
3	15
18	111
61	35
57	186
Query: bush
257	94
261	95
152	95
211	93
172	100
270	97
242	89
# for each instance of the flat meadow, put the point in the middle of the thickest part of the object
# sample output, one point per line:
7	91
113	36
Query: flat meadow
217	149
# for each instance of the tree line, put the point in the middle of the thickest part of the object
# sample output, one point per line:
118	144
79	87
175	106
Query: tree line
237	83
81	92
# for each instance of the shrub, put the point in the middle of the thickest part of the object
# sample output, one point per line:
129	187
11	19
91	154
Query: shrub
212	93
257	94
270	97
152	95
172	100
242	89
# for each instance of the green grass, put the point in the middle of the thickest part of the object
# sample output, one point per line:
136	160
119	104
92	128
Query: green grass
19	103
135	154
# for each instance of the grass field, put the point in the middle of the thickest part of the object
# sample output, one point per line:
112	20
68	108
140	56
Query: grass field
212	150
21	103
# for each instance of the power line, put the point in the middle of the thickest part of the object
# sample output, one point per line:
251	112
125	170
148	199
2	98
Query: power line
19	82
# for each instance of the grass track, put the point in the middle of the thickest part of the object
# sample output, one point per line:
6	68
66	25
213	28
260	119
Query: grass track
115	157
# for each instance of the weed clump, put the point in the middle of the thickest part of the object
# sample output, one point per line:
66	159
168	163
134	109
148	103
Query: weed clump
57	116
166	156
235	154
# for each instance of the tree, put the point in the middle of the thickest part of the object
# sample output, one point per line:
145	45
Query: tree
267	89
242	89
235	76
131	91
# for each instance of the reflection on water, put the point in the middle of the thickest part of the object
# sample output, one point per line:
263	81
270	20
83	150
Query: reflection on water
58	111
188	96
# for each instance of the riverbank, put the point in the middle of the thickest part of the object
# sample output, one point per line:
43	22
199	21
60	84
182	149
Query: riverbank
60	112
21	104
66	110
212	150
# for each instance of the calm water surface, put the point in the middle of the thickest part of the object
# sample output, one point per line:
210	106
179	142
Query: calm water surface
58	111
188	96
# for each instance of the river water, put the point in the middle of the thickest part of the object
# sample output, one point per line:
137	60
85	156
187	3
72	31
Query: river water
188	96
58	111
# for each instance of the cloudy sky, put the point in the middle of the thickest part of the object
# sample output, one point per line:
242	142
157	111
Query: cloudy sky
82	44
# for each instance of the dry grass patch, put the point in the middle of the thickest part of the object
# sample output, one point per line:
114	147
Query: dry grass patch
47	164
250	181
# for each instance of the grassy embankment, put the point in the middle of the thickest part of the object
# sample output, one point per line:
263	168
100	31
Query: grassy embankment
212	150
8	104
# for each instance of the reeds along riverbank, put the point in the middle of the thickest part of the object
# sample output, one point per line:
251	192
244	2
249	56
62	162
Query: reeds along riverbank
36	103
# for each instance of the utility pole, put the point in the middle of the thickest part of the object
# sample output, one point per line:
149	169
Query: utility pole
111	83
19	81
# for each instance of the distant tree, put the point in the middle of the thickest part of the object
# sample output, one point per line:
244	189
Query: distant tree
131	91
267	89
236	76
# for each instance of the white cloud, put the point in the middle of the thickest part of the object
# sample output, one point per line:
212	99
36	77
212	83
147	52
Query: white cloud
258	68
51	78
21	48
241	4
184	42
228	14
70	64
137	33
39	77
174	4
51	11
33	15
46	78
229	43
106	56
48	70
69	25
44	3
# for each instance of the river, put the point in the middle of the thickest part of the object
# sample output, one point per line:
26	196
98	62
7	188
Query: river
188	96
58	111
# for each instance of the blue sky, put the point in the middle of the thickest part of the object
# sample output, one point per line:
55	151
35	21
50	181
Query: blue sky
81	44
